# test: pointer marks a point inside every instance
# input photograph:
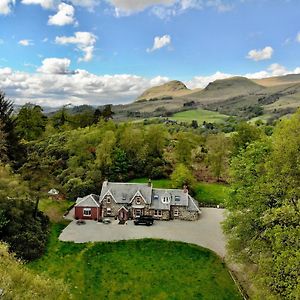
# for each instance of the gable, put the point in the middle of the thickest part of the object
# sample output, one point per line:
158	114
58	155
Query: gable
88	201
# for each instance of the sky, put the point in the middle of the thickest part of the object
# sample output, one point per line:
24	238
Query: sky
55	52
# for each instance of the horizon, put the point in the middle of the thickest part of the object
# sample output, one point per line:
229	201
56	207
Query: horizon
99	52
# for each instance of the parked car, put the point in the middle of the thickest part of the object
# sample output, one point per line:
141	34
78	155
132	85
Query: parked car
144	220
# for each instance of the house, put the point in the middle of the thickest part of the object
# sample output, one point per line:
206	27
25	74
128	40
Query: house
129	200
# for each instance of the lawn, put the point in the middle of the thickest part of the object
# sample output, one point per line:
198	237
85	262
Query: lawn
54	209
136	269
205	193
200	115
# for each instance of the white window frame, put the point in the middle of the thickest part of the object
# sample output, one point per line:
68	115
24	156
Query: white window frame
108	199
165	200
138	214
108	211
176	212
87	212
138	200
157	213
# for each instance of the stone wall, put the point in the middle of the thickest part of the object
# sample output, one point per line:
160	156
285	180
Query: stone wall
186	215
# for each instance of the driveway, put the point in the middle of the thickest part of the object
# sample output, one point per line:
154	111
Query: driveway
205	232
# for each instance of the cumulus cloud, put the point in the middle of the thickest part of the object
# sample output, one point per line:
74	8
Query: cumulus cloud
46	4
160	42
64	16
261	54
26	43
84	41
167	8
55	65
53	89
6	6
52	4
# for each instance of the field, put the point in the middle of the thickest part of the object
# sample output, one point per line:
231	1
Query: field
205	193
137	269
200	115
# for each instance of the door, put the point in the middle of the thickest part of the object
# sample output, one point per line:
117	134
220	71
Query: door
123	215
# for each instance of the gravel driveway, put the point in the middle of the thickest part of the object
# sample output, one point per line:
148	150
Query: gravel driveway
205	232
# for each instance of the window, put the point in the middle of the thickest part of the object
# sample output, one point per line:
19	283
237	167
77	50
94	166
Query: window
138	200
138	212
108	211
156	197
157	212
87	212
165	200
177	198
176	212
108	199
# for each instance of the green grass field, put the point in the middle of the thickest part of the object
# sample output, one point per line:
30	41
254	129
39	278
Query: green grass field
136	269
54	209
206	193
200	115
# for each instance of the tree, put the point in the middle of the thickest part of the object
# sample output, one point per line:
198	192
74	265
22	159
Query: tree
107	112
31	122
3	144
25	233
15	152
263	224
97	115
182	176
245	135
218	147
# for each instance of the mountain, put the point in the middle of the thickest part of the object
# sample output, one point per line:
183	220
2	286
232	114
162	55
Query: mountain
165	91
279	80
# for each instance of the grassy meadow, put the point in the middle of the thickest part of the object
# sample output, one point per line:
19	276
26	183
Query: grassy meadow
205	193
200	115
137	269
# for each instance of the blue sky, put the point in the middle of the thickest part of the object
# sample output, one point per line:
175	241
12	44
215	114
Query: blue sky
54	52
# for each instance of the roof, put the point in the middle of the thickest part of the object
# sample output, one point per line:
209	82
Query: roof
193	205
124	192
88	201
175	197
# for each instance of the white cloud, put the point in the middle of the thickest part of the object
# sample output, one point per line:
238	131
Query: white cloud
26	43
84	41
278	70
167	8
160	42
6	6
78	87
64	15
52	4
262	54
46	4
55	66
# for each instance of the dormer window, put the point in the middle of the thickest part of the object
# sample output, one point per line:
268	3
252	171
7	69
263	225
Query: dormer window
165	200
156	197
108	199
177	198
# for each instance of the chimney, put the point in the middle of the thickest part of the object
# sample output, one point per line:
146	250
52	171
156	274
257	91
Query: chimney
105	182
149	183
185	189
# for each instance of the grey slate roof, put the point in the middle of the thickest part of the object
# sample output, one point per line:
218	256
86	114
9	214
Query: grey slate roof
124	192
177	197
88	201
193	205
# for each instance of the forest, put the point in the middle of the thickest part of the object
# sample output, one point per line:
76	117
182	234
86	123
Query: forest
76	153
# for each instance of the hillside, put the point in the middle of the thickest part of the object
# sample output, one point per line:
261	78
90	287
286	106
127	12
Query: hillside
173	88
279	80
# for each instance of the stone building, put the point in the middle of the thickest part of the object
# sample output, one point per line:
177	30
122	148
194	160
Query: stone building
129	200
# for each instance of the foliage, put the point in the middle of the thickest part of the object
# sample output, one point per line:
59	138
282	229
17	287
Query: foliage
3	144
18	282
138	269
263	226
22	227
218	147
182	176
30	122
